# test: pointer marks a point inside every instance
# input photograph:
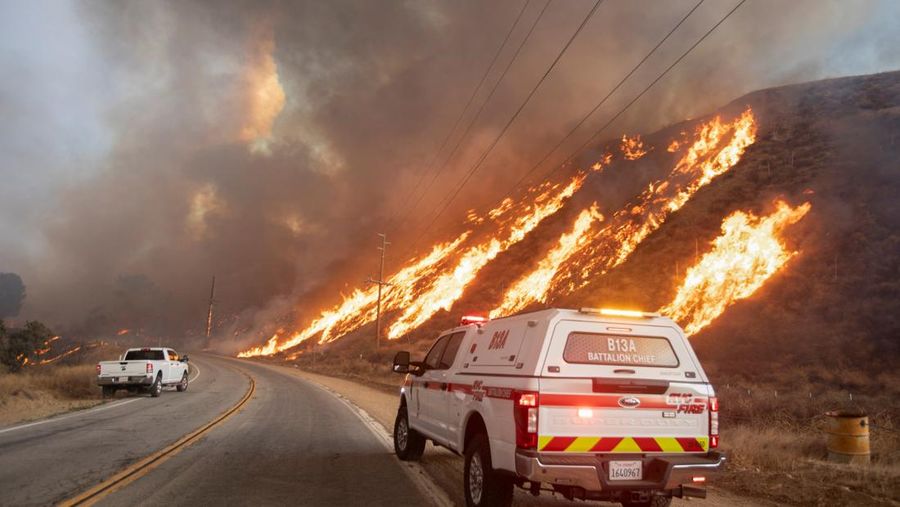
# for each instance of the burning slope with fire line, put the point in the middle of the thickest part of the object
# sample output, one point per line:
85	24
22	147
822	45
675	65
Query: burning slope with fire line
717	147
749	251
589	248
436	280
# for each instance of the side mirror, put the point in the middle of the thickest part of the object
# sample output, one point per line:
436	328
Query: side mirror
401	362
184	359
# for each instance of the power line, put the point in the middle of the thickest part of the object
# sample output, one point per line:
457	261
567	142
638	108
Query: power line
608	95
462	113
515	115
480	110
645	90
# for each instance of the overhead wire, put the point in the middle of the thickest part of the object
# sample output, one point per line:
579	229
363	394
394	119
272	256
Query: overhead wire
645	90
480	109
465	108
607	96
445	204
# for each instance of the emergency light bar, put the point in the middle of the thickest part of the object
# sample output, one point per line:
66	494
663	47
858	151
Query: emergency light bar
472	319
613	312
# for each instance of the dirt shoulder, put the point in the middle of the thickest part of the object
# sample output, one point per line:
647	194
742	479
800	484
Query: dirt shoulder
444	467
46	391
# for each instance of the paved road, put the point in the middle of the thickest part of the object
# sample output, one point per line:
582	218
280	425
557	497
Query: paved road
292	443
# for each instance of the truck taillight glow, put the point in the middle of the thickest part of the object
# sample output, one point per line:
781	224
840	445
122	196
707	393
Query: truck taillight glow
525	413
713	422
98	369
149	367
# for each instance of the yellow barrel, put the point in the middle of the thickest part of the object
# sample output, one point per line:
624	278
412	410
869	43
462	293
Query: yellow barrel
848	437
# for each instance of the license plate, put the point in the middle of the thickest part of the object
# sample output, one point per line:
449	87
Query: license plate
625	471
123	379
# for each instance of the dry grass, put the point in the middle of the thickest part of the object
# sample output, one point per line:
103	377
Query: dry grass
776	443
43	391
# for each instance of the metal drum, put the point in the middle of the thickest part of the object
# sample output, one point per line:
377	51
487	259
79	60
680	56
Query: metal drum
848	437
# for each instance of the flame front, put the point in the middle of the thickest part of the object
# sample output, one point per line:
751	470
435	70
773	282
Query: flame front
632	147
703	161
599	250
448	287
748	252
531	287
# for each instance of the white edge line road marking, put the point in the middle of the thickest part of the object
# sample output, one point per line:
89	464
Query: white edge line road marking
84	412
413	470
78	413
195	376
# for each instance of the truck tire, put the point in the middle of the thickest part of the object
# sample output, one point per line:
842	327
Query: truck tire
484	487
409	444
654	501
109	391
156	387
183	385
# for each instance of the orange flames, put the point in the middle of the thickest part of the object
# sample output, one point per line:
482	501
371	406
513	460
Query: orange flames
748	252
122	332
589	248
447	288
632	147
673	146
716	148
434	281
531	287
60	356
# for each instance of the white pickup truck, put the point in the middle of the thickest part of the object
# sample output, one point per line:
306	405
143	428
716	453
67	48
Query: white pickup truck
148	369
605	405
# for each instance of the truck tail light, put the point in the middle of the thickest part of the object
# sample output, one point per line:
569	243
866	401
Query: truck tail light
149	367
98	368
525	413
713	422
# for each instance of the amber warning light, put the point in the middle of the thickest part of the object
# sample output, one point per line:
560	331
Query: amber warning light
473	319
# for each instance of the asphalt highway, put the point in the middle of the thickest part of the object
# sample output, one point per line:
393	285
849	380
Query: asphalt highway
291	443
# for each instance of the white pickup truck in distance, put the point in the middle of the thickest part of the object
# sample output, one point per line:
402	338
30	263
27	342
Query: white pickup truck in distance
144	369
604	405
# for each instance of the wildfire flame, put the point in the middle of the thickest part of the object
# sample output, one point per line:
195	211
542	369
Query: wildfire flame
531	287
122	332
632	147
60	356
435	280
748	252
448	287
712	153
673	146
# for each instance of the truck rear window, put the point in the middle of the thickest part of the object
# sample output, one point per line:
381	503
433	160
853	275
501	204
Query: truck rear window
144	355
593	348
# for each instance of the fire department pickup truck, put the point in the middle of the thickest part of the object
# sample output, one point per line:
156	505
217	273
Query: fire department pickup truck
592	404
144	369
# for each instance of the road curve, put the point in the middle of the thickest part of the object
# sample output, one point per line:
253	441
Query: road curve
47	461
291	444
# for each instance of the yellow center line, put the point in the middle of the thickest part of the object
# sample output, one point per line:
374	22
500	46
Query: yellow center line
137	470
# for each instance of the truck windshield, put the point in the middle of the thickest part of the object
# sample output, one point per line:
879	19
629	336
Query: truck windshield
144	355
592	348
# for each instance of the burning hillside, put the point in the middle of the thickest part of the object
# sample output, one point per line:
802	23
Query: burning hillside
690	240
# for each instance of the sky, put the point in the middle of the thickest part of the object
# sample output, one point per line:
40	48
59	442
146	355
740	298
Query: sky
147	146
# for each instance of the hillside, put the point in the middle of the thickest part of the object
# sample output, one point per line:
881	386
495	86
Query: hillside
832	144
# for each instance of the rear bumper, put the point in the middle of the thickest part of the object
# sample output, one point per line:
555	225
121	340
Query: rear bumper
591	471
133	380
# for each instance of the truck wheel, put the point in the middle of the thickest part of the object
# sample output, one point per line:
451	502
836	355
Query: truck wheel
183	385
654	501
409	444
156	387
109	391
483	485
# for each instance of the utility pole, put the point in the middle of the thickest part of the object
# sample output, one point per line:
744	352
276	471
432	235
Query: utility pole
209	313
381	283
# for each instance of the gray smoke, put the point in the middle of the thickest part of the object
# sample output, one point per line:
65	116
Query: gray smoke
176	191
